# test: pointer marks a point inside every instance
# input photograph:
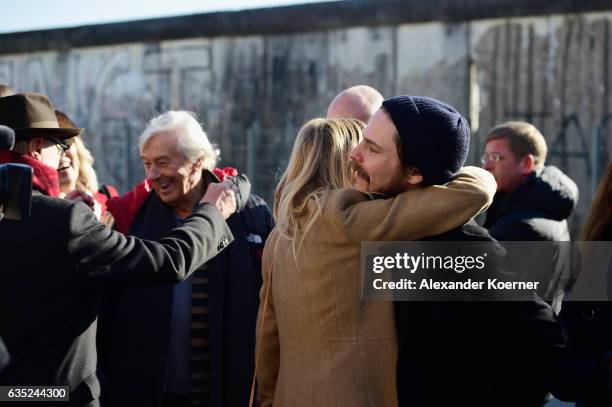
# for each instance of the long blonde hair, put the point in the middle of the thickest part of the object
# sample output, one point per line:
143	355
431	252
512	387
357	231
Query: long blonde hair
319	162
600	216
87	179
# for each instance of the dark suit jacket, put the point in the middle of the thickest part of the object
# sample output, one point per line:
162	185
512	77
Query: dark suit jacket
53	265
476	354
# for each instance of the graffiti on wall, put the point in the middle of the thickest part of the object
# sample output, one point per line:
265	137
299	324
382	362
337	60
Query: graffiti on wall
253	93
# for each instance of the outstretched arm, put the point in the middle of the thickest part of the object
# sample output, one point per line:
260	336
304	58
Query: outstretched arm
104	255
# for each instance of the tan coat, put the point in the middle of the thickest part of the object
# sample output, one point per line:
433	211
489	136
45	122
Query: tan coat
321	345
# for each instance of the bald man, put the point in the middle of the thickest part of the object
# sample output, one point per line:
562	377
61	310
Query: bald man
357	102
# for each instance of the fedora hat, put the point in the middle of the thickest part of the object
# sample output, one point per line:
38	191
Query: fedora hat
32	115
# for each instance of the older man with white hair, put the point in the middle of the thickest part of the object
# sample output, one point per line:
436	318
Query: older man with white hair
193	343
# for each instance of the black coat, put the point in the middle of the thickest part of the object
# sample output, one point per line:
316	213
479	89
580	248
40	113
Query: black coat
583	374
53	266
136	326
475	354
537	210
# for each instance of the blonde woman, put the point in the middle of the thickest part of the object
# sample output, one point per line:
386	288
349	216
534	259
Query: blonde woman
318	343
76	172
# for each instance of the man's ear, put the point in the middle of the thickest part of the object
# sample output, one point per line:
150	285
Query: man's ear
527	164
198	165
35	146
413	176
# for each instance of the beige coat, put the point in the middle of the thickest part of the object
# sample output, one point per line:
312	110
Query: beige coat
321	345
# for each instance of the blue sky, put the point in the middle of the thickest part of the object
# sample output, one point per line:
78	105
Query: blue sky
25	15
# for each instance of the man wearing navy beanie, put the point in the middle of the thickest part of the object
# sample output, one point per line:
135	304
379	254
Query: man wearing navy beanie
431	139
459	354
434	137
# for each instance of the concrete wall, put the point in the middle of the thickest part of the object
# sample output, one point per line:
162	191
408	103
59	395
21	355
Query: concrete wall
252	92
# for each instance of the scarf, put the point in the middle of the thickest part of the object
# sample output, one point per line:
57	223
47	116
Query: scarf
44	178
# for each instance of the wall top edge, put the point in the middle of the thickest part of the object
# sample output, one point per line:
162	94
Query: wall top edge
288	20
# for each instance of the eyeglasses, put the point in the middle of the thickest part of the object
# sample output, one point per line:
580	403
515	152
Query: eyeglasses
63	145
493	157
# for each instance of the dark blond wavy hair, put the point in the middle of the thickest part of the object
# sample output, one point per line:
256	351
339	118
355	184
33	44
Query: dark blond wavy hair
319	163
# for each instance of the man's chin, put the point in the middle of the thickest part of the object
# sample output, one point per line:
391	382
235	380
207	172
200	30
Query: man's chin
65	178
166	197
360	184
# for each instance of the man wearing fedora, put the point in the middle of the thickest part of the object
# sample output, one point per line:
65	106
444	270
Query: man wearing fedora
55	263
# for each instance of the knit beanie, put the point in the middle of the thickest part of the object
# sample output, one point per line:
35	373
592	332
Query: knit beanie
435	138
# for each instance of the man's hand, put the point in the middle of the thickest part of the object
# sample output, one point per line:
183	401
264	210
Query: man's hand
222	197
230	184
78	195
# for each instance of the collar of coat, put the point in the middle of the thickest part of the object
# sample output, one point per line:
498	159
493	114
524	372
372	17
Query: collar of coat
125	208
44	178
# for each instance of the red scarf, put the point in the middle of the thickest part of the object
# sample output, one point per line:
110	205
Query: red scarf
44	178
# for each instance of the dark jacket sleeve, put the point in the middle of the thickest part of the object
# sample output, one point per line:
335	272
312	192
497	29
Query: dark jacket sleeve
584	371
243	190
514	228
530	342
104	255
